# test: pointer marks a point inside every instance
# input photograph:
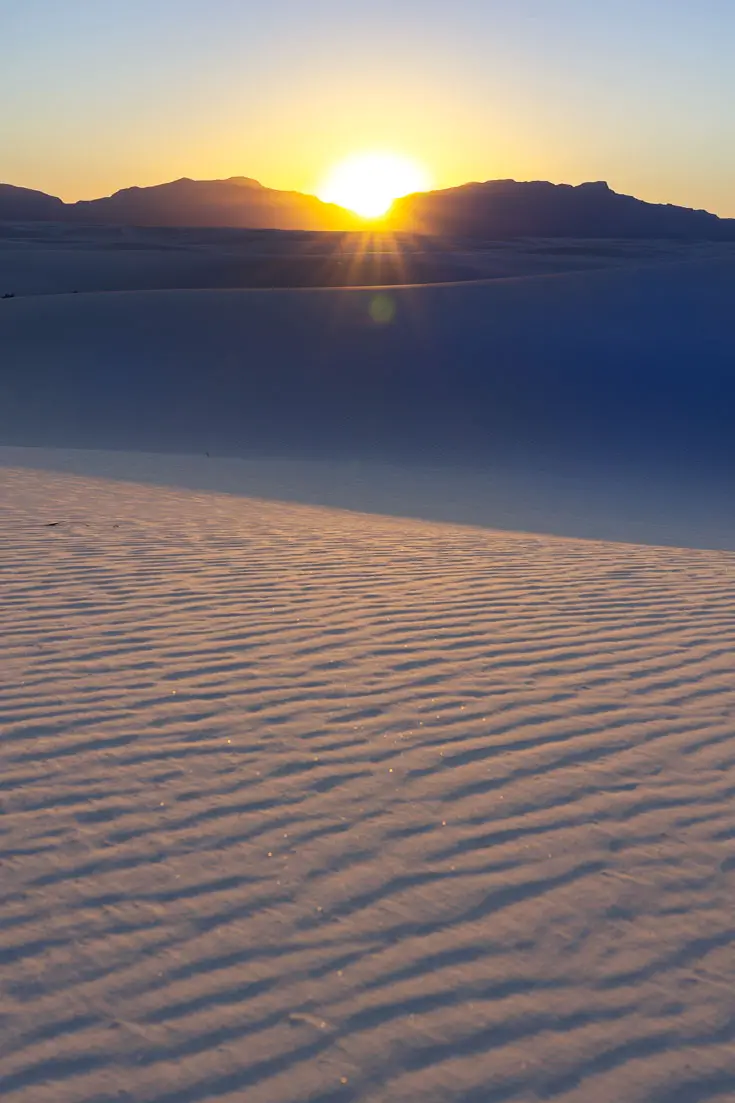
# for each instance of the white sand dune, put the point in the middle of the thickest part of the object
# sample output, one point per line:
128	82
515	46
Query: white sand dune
309	805
305	801
625	366
606	370
51	259
676	509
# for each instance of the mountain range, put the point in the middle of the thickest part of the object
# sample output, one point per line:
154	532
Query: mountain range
237	202
507	208
495	209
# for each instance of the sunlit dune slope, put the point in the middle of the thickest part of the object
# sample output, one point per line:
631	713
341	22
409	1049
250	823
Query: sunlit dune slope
300	804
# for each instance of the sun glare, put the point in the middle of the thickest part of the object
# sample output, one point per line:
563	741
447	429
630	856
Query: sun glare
367	183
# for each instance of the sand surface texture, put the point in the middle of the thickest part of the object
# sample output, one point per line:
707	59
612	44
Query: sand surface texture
298	804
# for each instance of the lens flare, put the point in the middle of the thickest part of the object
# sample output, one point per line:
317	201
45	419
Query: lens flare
382	309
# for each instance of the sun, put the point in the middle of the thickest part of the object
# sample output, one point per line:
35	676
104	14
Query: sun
367	183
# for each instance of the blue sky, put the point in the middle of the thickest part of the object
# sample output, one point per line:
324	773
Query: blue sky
101	94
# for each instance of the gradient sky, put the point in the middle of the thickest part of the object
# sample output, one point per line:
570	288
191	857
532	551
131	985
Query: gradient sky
101	94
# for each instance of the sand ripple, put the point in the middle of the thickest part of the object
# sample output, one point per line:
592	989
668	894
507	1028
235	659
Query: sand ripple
303	805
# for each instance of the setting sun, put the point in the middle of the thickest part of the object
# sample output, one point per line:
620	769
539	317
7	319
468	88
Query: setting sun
368	183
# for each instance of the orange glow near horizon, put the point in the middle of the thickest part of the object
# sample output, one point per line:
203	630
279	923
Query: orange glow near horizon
368	183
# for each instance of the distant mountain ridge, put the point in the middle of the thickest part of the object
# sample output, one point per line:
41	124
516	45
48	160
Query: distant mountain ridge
508	208
23	204
238	202
491	210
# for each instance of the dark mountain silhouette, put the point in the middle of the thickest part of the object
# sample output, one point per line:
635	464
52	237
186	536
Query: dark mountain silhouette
238	202
22	204
495	209
507	208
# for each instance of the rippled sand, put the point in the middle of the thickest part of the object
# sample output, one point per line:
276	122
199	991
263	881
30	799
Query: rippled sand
299	804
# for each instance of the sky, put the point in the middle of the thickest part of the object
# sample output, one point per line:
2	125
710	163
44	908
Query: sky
102	94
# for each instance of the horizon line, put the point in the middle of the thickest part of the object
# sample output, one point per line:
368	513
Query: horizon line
312	195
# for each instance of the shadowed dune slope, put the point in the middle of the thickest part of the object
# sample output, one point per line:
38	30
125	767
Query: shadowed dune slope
616	366
304	806
625	506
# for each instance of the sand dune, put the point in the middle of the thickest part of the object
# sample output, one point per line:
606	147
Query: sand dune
625	366
679	509
305	801
52	259
307	805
